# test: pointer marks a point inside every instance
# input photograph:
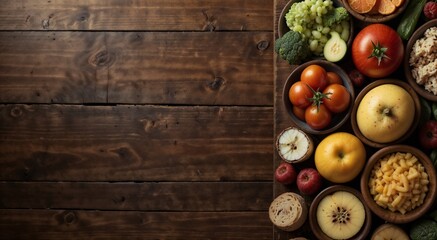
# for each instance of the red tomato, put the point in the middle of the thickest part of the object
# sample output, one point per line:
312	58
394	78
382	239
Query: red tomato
338	98
299	112
300	95
315	76
333	77
377	51
317	117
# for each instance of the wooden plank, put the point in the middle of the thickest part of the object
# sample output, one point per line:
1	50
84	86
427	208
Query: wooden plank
168	196
135	143
227	68
150	15
79	224
195	68
51	67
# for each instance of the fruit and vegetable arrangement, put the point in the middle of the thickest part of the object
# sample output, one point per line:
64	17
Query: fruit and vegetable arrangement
385	113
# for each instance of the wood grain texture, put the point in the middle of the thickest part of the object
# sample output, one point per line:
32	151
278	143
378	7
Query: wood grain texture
136	119
230	68
169	196
281	72
136	15
79	224
135	143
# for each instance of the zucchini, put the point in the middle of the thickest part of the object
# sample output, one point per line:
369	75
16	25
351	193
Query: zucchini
434	110
426	111
410	18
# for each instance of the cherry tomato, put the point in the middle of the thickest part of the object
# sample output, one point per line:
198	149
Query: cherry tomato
377	50
317	117
299	112
300	95
338	98
333	77
315	76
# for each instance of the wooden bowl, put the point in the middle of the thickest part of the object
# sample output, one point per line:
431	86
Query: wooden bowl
397	217
283	28
407	69
338	119
375	17
369	87
365	229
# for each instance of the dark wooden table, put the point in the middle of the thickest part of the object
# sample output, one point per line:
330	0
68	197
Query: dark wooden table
143	119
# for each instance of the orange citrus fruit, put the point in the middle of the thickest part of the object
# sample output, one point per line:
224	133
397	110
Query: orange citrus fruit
385	7
397	3
362	6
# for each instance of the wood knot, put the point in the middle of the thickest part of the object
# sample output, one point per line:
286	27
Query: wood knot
16	112
119	200
83	17
215	84
46	22
69	217
210	22
102	59
263	45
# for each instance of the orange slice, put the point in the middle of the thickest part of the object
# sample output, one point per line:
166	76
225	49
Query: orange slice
386	7
362	6
397	3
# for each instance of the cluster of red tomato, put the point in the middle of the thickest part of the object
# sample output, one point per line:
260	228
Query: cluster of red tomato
317	95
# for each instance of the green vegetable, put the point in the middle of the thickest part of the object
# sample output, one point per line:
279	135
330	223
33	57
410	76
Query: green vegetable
424	229
433	157
433	215
292	47
409	19
426	111
434	110
335	48
335	16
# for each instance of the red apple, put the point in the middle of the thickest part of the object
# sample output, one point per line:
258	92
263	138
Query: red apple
309	181
285	173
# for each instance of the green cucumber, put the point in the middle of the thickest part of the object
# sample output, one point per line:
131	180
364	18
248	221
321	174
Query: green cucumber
409	19
335	48
434	110
433	157
426	111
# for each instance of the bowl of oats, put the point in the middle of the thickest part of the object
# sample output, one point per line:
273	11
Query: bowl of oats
420	63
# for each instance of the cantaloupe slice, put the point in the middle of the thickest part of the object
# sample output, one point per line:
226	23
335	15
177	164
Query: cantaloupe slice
362	6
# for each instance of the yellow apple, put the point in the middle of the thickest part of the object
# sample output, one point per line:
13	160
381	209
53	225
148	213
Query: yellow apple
340	157
385	113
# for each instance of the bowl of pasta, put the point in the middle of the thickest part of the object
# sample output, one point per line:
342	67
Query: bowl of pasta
398	183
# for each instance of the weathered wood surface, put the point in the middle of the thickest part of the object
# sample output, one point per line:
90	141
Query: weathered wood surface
80	224
136	119
229	68
281	72
137	15
168	196
135	143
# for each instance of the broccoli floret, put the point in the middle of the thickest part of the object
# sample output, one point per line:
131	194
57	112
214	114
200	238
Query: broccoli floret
335	15
292	47
424	229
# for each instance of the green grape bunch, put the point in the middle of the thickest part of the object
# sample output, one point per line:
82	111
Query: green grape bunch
315	20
